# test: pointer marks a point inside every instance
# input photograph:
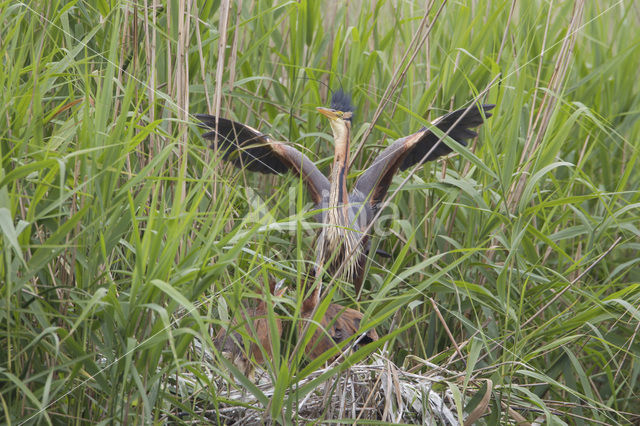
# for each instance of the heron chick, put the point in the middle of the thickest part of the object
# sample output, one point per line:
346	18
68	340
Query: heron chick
230	342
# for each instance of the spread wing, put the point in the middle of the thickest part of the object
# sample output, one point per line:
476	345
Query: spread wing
373	183
247	148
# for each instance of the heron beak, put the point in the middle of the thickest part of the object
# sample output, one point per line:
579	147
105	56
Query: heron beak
328	112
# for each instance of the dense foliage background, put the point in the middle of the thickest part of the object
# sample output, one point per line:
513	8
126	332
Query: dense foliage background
125	240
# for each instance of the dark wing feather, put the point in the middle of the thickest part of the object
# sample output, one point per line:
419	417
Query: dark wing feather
373	183
242	145
460	133
247	148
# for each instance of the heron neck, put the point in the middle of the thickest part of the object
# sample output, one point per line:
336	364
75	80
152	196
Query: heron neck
340	167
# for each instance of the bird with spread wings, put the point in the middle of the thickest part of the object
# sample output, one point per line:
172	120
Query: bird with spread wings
342	244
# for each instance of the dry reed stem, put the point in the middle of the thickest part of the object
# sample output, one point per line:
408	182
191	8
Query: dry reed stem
400	71
217	97
556	84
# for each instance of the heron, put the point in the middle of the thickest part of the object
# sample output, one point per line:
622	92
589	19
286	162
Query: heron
342	245
337	325
230	342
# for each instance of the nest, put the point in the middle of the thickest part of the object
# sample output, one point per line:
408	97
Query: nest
378	391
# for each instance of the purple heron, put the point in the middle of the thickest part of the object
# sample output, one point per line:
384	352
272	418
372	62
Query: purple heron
345	215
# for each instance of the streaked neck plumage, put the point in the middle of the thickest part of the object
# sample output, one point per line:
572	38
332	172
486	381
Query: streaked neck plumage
339	239
338	194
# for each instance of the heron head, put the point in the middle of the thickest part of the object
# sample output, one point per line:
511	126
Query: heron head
339	115
335	114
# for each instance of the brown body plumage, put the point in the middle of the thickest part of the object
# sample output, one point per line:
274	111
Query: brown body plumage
230	343
337	325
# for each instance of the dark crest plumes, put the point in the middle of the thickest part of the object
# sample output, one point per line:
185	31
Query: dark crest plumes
341	101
